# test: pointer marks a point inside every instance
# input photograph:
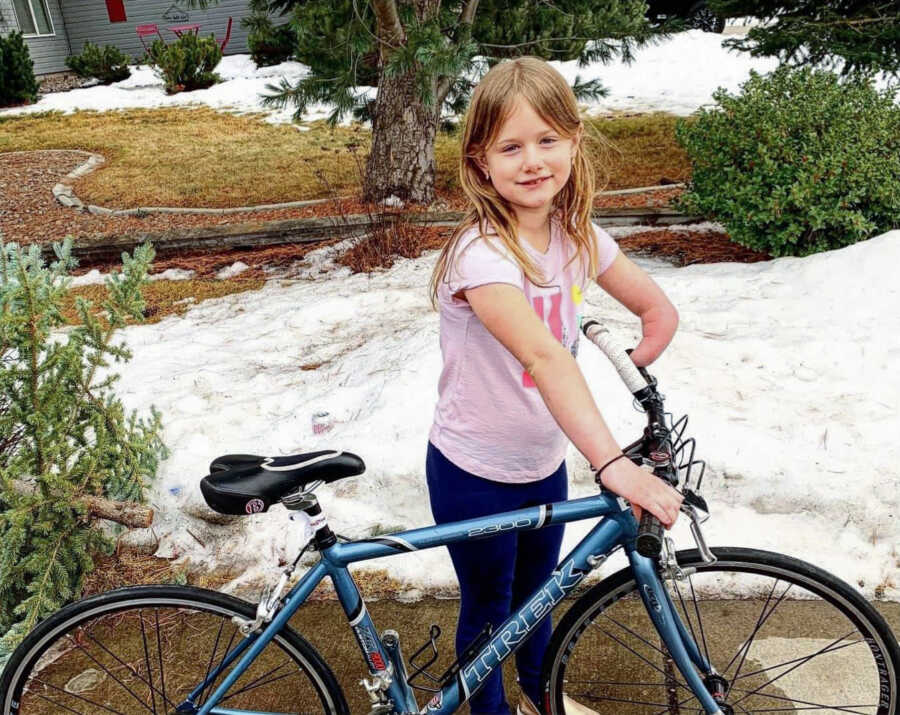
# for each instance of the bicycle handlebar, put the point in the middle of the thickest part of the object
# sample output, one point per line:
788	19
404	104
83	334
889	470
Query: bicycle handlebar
650	531
617	355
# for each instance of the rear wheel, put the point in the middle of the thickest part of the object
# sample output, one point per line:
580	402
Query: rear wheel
145	649
783	634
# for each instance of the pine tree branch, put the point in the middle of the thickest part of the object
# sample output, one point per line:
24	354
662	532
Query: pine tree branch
538	42
461	35
466	18
130	514
32	617
32	325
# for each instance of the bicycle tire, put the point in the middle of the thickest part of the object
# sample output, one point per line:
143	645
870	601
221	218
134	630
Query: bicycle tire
813	622
63	666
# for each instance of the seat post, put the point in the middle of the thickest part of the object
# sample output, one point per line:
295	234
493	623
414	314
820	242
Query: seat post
304	500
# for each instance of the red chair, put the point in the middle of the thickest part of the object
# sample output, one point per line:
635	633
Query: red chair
144	30
227	35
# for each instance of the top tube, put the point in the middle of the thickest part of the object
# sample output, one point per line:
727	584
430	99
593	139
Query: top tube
429	537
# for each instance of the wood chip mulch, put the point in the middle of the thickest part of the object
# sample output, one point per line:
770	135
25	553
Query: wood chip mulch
685	247
30	214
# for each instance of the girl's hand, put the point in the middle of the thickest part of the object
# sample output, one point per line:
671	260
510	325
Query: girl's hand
644	490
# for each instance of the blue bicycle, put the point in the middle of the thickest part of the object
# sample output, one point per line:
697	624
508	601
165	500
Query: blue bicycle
722	630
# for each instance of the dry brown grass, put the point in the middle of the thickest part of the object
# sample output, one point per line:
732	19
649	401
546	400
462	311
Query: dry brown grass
163	298
390	241
194	157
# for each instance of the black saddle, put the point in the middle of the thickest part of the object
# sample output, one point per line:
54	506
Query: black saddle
249	484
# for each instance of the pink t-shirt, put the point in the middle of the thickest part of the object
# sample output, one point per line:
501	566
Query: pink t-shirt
490	419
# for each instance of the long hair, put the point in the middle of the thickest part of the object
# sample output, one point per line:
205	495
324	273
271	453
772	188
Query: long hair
492	103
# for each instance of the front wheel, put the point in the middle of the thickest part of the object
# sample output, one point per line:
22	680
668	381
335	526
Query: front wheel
784	636
146	649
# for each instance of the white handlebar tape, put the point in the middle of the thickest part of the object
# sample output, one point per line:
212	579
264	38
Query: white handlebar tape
620	359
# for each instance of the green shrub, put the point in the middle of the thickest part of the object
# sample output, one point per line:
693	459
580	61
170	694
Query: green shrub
270	45
187	63
108	64
798	162
17	82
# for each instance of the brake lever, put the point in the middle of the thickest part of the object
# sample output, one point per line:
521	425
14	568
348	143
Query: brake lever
691	498
697	511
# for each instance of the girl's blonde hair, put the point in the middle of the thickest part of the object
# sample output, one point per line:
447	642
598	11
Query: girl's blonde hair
492	103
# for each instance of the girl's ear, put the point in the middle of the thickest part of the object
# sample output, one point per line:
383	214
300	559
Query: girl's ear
481	163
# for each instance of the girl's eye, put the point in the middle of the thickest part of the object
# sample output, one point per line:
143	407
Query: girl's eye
508	147
549	140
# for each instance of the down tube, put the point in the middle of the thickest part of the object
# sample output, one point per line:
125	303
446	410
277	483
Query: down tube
515	629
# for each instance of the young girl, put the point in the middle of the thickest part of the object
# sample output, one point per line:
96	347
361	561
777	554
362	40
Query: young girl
509	289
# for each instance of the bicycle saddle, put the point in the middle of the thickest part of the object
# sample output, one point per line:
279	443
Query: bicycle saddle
250	484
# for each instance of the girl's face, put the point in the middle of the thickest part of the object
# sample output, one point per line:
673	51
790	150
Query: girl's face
529	162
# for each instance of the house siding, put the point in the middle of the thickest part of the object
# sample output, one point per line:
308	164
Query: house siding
48	53
88	20
7	18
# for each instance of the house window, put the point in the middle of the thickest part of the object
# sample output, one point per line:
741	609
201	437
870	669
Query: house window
33	17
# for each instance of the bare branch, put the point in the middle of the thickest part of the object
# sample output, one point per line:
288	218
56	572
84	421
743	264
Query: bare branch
387	25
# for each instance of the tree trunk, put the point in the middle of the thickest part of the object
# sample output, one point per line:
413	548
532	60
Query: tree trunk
402	158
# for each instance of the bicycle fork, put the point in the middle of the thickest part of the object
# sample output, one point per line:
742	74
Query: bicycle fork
680	643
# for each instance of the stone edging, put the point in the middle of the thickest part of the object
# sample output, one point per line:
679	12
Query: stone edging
64	193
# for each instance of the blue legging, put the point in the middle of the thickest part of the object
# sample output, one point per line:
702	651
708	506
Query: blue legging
496	575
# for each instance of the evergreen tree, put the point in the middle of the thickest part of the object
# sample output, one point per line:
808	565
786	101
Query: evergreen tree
425	55
17	81
861	37
67	435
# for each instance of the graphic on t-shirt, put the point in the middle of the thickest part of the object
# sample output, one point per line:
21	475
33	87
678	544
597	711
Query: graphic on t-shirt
549	309
577	299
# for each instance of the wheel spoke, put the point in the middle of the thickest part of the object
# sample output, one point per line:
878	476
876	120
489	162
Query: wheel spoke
125	665
602	698
111	674
763	617
699	620
789	670
211	688
147	661
633	651
162	675
58	705
677	706
688	617
811	705
211	657
637	684
636	635
79	697
256	683
796	660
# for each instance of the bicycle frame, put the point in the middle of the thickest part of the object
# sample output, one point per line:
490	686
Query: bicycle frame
617	528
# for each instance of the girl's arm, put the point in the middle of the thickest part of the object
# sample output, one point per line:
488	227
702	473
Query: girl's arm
637	291
506	313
